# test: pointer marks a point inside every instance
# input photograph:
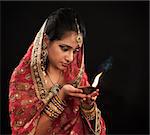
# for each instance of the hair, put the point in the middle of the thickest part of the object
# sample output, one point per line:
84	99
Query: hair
62	21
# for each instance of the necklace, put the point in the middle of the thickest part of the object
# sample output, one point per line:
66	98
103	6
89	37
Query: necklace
51	79
56	87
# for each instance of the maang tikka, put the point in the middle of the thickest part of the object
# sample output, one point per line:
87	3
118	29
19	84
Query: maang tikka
79	38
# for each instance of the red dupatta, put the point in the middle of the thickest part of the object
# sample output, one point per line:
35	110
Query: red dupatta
28	96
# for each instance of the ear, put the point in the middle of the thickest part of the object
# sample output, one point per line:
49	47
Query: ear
46	39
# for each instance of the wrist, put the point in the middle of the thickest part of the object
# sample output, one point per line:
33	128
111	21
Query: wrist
61	94
55	107
90	113
87	105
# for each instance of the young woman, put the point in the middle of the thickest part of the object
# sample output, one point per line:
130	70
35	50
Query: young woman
45	94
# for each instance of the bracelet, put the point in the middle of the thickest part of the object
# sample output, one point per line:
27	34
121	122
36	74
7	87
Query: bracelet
60	101
55	107
60	107
52	115
88	110
90	113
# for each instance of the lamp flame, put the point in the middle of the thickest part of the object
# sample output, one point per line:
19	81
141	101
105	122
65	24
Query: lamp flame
96	80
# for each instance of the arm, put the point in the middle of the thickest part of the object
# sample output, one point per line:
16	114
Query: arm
56	107
43	125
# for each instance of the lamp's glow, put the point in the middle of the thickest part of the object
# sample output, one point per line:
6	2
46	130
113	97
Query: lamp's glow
96	80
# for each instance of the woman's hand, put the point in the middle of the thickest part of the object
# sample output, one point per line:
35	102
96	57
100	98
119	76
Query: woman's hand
93	96
90	99
69	90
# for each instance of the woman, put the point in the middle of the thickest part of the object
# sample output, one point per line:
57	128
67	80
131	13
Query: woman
44	96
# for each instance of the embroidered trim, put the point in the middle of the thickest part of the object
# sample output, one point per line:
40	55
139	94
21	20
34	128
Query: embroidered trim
36	70
97	122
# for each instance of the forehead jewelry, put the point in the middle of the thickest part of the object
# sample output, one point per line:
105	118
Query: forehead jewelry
79	38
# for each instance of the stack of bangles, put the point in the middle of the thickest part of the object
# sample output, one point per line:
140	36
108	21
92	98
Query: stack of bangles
89	113
55	107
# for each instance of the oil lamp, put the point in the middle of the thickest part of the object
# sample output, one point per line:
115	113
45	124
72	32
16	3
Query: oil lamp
93	87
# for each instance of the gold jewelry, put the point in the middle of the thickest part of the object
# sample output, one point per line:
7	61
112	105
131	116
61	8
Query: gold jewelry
90	114
60	101
51	79
54	101
54	108
79	38
56	87
88	111
52	115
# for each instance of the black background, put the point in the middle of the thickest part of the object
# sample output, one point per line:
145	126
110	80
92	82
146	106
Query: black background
117	29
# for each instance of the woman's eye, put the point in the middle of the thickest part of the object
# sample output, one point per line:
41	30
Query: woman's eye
64	48
76	50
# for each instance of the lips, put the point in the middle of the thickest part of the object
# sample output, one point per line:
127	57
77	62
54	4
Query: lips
65	65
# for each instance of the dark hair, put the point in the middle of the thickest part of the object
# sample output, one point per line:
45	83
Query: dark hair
62	21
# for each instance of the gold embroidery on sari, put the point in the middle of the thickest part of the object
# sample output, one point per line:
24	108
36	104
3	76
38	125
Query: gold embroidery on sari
19	123
14	96
20	111
97	122
28	76
26	102
22	86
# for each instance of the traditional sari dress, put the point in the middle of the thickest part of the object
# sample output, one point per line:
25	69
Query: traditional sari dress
28	97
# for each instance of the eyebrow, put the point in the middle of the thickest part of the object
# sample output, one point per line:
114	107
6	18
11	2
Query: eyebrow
70	46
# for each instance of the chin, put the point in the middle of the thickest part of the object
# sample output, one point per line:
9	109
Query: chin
62	68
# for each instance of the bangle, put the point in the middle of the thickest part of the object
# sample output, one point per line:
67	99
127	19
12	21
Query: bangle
55	107
60	107
60	101
88	110
90	113
52	115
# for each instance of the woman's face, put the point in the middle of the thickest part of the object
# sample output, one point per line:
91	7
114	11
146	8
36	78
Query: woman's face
62	52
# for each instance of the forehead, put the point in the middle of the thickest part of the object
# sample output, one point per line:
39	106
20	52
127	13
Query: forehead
70	38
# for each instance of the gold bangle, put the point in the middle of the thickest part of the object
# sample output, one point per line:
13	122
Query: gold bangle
55	102
52	115
90	114
60	101
88	111
53	107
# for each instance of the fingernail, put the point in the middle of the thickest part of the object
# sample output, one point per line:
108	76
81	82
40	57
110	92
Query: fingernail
84	99
89	96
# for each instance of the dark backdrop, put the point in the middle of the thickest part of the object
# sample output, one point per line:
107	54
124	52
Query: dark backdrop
117	29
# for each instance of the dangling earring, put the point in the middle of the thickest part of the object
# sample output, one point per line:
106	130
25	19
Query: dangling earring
44	57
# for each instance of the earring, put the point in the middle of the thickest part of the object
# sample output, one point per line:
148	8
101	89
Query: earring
44	57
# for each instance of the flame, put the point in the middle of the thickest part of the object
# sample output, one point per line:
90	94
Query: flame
96	80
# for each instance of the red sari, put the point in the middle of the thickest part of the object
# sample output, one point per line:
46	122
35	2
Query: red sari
27	101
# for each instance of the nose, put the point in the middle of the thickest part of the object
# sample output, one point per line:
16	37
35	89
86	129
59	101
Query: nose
69	57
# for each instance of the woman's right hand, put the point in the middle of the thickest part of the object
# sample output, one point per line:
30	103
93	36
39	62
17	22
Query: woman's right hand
69	90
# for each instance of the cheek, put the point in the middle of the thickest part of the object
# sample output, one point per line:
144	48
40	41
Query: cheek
55	55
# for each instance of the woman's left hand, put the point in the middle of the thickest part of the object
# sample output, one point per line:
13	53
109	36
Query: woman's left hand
91	98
